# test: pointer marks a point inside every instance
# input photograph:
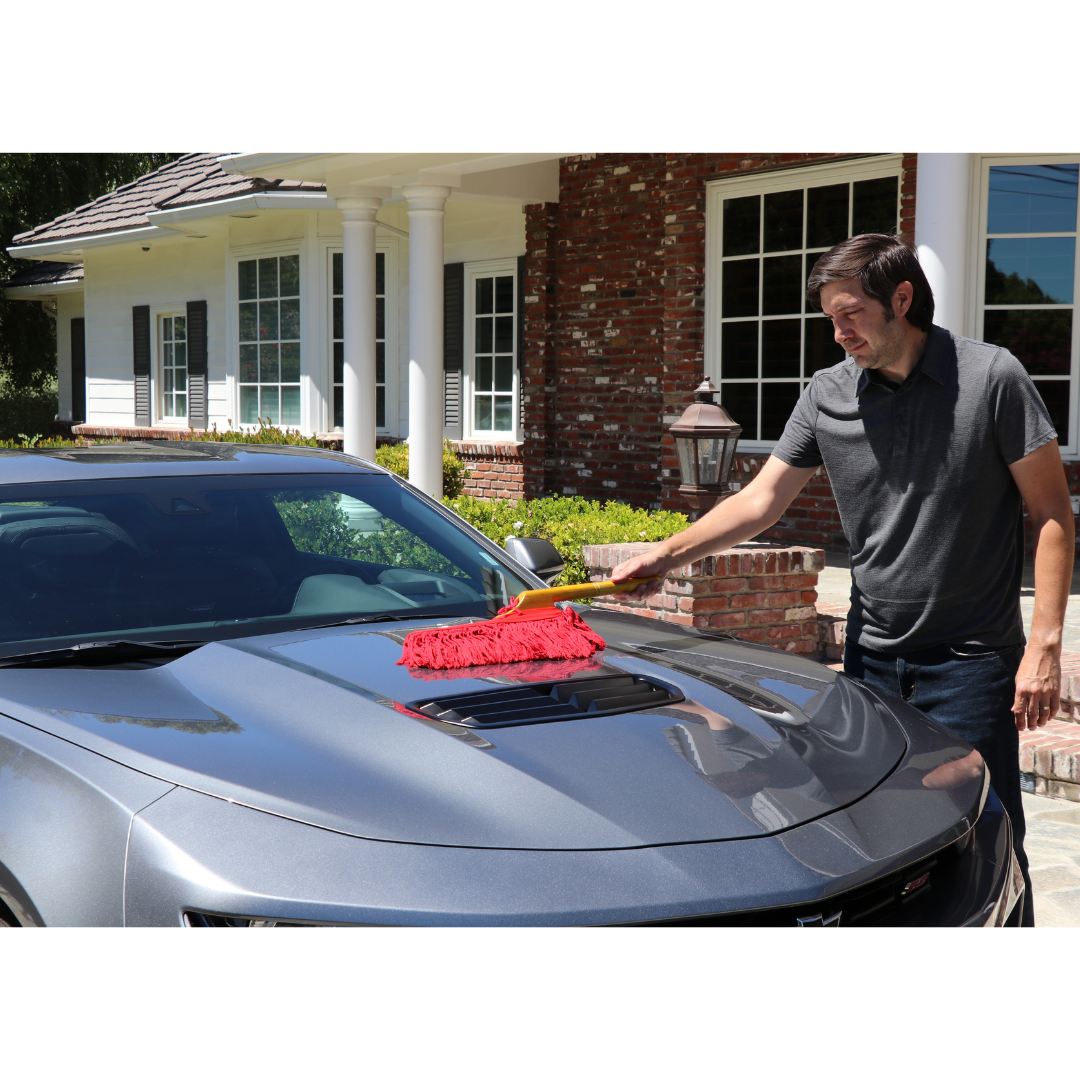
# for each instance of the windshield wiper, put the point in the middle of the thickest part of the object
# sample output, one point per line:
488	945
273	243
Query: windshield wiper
370	619
93	653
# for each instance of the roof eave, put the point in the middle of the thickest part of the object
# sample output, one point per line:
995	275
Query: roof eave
164	222
169	218
44	290
72	247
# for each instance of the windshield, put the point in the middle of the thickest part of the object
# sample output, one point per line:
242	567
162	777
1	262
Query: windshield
202	559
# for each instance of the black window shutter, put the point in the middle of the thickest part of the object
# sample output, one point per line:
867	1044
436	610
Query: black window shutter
520	311
78	371
196	359
140	335
453	348
520	303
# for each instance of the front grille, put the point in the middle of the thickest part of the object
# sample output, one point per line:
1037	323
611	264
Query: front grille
538	703
892	900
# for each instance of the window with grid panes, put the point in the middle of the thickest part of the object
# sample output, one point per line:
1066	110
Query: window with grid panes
339	339
269	301
493	353
174	367
1029	272
769	341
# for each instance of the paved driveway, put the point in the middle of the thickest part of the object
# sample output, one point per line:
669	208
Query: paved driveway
1053	847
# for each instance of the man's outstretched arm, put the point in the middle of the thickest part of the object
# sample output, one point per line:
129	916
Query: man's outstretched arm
743	515
1041	481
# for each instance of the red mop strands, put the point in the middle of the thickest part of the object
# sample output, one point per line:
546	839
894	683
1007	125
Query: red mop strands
530	628
524	671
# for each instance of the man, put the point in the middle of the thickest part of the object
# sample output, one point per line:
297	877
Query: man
930	441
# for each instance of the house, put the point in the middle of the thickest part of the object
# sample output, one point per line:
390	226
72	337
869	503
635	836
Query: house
550	314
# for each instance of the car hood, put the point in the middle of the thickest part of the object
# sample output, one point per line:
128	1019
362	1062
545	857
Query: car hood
316	726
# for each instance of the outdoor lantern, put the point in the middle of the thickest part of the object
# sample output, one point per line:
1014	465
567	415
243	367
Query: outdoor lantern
705	440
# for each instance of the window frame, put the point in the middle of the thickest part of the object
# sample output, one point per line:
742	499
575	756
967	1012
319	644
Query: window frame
245	253
158	312
980	204
473	271
157	367
763	183
388	248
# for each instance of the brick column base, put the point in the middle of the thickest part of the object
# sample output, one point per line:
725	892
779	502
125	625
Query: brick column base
757	592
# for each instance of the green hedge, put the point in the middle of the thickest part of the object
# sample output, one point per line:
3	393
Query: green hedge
395	457
568	523
26	411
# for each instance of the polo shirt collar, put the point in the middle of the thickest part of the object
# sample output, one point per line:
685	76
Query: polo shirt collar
937	361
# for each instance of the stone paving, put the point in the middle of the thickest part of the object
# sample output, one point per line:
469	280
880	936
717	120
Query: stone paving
1053	848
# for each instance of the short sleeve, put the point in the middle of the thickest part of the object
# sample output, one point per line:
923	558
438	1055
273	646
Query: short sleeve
1021	421
798	445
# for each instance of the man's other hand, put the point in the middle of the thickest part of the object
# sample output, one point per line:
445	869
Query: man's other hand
1038	688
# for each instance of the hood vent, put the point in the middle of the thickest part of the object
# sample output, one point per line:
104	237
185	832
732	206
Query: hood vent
539	703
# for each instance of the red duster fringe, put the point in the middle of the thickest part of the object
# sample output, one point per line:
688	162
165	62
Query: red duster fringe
540	634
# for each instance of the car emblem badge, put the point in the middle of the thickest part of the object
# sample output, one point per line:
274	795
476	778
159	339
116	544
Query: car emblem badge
819	920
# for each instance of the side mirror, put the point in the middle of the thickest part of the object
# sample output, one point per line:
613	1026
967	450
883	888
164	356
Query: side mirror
539	556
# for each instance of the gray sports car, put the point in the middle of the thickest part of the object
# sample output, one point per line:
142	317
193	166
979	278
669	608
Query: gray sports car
203	723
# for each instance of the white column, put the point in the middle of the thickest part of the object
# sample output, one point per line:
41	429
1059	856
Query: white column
358	283
941	233
426	203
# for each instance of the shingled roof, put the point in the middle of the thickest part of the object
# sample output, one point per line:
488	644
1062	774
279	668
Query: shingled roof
191	179
44	273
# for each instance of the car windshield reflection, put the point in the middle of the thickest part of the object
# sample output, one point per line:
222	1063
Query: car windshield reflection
218	557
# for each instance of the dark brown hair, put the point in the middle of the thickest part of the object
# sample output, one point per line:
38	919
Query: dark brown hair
880	263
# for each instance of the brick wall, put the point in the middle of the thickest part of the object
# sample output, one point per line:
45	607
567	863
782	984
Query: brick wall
753	592
614	317
496	470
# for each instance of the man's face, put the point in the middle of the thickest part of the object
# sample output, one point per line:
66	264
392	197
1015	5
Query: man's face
860	327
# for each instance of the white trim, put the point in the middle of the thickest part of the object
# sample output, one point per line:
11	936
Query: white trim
76	244
472	272
157	312
234	256
292	200
42	291
716	191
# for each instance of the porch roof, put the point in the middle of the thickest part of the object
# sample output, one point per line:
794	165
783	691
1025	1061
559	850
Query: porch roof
191	180
516	177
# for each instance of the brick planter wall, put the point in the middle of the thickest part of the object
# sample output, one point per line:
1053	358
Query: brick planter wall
496	470
753	592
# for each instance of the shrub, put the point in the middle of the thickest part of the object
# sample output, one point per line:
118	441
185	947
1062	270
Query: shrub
568	523
317	523
395	457
25	411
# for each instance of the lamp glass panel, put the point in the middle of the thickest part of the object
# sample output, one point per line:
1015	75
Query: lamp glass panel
684	447
710	454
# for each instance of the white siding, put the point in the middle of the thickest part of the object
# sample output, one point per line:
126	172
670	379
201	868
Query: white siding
172	272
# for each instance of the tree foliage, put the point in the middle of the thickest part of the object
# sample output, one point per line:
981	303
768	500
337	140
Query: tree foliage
34	189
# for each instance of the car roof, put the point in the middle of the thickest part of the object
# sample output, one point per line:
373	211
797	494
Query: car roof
135	459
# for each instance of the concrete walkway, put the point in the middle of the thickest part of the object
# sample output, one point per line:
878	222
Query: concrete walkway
1053	847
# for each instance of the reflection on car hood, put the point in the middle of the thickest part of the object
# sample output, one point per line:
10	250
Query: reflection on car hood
314	726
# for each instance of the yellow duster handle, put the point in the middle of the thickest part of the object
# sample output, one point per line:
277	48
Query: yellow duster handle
540	598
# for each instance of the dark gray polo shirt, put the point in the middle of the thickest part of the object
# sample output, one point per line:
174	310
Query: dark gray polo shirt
921	478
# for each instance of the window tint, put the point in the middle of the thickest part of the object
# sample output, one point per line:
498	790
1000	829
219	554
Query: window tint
192	558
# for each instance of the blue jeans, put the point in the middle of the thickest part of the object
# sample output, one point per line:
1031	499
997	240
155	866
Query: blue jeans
969	690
